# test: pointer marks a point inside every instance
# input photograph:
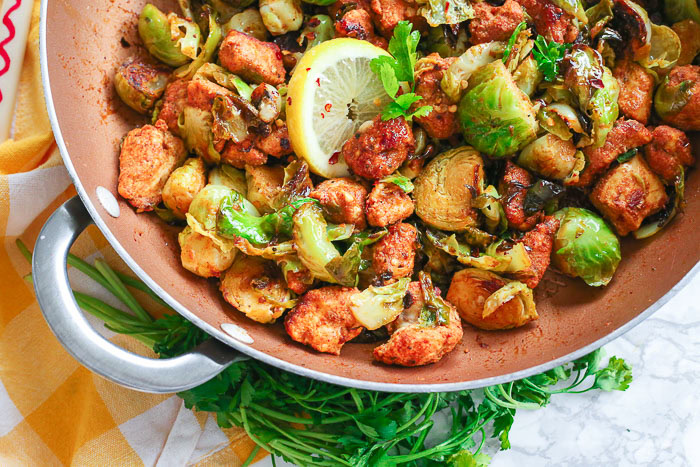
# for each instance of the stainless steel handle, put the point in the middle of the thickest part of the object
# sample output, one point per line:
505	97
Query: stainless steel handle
66	320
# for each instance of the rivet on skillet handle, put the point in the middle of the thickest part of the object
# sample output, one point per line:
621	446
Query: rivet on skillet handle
67	322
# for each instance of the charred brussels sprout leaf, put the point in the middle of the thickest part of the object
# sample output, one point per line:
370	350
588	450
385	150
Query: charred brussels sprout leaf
155	31
496	117
140	84
347	267
319	28
436	311
678	10
585	247
438	12
455	78
512	40
448	40
399	180
540	194
375	307
670	100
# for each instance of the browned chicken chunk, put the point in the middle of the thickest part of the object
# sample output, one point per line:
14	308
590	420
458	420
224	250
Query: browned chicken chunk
148	155
394	255
513	189
625	135
355	23
388	204
494	23
441	122
252	59
411	343
380	149
629	193
388	13
342	200
538	244
276	144
551	21
322	319
201	93
174	101
668	152
240	154
636	90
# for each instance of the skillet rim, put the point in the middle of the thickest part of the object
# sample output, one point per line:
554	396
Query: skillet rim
284	364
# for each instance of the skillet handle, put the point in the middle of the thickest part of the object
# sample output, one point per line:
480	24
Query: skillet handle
66	320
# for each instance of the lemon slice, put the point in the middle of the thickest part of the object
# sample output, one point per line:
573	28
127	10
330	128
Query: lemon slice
332	92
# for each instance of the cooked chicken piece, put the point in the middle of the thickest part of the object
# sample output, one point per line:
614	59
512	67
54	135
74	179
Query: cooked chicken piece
299	282
174	101
494	23
551	21
636	90
252	59
668	152
629	193
322	319
148	155
441	122
255	287
387	204
241	154
538	244
342	200
380	149
276	144
513	189
201	93
394	255
688	115
469	290
388	13
625	135
411	343
688	32
339	8
356	24
264	183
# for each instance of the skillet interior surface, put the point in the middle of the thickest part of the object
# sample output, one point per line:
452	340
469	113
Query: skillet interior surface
83	42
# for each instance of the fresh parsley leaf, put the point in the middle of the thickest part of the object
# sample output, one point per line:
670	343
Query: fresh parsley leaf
403	46
548	55
617	376
388	77
399	180
513	38
627	156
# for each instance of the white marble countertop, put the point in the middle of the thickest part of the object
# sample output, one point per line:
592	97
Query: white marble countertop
655	422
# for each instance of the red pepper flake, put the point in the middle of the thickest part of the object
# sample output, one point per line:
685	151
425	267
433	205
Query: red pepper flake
308	69
279	54
447	7
334	158
328	107
289	101
323	115
318	82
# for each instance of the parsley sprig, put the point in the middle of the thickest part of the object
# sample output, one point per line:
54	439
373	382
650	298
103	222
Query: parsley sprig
313	423
548	56
398	68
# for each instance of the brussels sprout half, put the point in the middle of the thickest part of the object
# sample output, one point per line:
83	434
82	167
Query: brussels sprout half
140	84
375	306
585	247
155	31
497	118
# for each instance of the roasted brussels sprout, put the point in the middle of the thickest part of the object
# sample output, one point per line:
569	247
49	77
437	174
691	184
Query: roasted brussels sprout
678	10
449	40
688	32
677	100
203	255
319	28
156	32
195	127
488	301
230	177
281	16
455	80
585	247
528	76
444	190
248	21
268	101
313	246
264	183
205	205
561	120
550	157
375	307
140	84
255	287
497	118
183	185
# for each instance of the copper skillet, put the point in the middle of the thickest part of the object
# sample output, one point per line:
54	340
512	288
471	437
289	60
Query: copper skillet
81	41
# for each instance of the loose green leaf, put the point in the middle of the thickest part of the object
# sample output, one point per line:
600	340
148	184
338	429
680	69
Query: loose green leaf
513	38
627	156
399	180
548	56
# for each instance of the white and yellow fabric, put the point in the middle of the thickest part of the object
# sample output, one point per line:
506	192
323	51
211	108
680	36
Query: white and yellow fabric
52	410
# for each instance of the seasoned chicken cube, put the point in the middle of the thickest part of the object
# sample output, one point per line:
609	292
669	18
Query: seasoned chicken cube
148	155
342	200
625	135
668	152
174	101
356	24
538	244
388	13
322	319
636	90
241	154
252	59
441	122
394	255
629	193
551	21
201	93
388	204
276	144
494	23
411	343
380	149
340	7
513	189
